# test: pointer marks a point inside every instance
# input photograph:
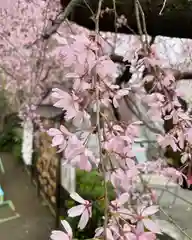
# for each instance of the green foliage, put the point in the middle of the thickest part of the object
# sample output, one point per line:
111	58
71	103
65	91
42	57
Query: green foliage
7	139
16	148
90	186
11	137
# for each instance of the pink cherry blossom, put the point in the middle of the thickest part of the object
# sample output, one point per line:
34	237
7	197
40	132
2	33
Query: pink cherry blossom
140	234
91	77
112	231
168	140
115	144
58	135
109	233
77	59
66	102
173	174
84	209
117	207
144	213
59	235
68	56
120	94
105	67
78	155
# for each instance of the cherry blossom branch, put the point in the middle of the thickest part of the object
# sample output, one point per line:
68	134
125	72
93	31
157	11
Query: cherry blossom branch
177	123
163	7
137	14
99	129
169	96
143	22
94	89
115	25
59	20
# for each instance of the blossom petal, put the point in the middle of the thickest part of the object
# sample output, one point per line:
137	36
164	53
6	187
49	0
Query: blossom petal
150	211
57	93
131	236
147	236
77	198
53	131
84	163
151	225
109	234
57	140
64	130
123	198
72	151
60	104
59	235
99	231
84	219
67	227
115	103
140	228
76	211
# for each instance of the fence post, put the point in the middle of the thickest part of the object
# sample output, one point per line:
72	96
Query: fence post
58	191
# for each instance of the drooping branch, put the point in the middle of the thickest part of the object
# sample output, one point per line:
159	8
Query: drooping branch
59	20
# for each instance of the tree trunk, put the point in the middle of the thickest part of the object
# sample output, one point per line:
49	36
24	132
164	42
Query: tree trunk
167	18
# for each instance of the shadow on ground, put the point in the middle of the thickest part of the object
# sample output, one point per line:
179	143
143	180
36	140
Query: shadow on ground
35	222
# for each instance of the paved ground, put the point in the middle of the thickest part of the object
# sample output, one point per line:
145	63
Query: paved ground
176	207
36	221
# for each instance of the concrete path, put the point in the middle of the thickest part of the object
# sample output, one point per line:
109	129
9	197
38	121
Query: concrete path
176	208
36	221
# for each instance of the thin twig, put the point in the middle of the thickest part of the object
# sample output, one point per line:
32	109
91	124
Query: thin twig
115	23
144	23
99	128
163	7
138	18
139	24
86	3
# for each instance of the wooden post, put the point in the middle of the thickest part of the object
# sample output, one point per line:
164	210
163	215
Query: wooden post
58	182
58	191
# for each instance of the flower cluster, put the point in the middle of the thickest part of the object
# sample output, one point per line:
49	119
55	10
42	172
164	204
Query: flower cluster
80	61
164	102
93	90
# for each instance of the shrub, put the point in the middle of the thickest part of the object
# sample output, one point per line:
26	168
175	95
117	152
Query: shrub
90	187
